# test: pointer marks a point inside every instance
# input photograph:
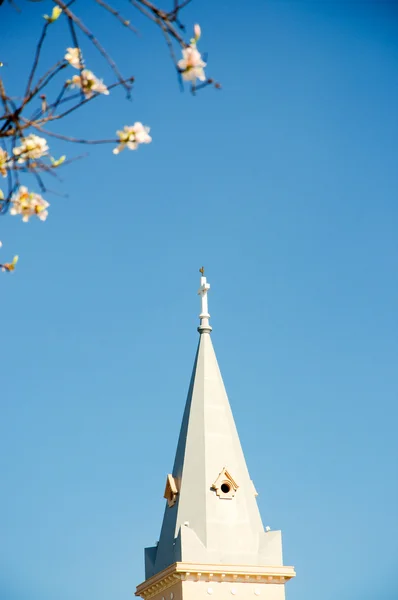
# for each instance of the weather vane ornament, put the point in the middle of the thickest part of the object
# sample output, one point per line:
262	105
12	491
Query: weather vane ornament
204	314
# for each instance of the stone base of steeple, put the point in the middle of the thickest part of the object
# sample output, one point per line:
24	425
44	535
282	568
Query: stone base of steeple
189	581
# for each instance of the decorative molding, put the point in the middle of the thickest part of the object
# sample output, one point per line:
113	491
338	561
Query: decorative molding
171	490
215	573
225	486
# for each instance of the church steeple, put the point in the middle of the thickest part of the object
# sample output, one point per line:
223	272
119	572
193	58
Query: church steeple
212	529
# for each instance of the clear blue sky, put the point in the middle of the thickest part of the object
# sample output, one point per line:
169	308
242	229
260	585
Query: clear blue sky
284	185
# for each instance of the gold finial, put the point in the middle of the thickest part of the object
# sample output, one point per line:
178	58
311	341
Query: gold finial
202	270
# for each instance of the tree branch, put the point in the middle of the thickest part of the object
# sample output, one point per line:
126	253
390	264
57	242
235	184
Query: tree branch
94	40
117	14
37	57
72	139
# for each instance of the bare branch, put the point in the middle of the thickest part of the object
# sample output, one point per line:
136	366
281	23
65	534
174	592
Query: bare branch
156	14
172	15
94	40
4	99
37	57
82	102
43	81
117	14
21	156
67	138
206	84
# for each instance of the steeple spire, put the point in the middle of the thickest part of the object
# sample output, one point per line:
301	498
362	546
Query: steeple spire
212	529
204	314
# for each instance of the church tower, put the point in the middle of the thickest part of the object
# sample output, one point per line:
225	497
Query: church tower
212	541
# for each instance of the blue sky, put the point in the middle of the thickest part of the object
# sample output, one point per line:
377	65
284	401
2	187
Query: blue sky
284	185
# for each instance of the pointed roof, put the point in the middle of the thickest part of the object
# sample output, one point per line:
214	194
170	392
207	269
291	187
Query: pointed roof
211	514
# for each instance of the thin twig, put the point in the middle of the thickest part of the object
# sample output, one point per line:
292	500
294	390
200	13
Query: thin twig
37	56
206	84
117	14
94	40
95	95
172	53
39	181
172	15
44	81
77	45
72	139
143	10
60	101
168	42
50	108
50	169
160	14
4	99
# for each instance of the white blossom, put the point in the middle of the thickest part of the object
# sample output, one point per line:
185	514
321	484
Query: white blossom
89	83
32	147
131	136
28	204
3	162
191	65
74	56
197	31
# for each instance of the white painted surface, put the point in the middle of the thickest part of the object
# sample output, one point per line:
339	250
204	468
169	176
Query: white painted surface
219	531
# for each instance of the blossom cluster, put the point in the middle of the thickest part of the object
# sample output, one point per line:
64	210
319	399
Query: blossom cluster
74	57
28	204
86	80
32	147
131	136
89	83
191	65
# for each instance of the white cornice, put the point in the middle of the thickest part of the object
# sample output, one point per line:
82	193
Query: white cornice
183	571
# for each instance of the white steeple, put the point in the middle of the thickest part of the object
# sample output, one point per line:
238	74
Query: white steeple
212	529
